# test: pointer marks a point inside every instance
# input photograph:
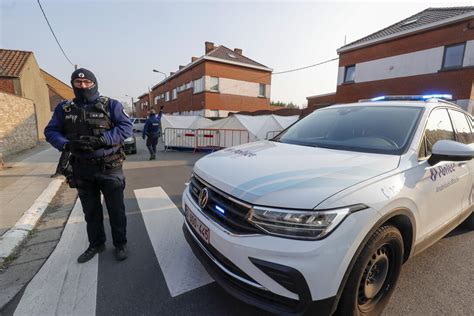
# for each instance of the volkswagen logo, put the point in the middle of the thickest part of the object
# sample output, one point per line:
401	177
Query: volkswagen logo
203	197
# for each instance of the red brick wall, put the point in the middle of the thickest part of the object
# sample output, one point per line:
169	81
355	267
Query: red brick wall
321	100
6	85
215	69
456	82
446	35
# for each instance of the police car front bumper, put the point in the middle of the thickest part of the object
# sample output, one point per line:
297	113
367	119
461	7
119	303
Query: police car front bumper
276	274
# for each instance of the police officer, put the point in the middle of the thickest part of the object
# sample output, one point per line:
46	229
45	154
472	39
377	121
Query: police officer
152	130
93	128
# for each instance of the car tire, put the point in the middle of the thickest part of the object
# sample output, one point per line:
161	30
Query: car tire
374	275
469	222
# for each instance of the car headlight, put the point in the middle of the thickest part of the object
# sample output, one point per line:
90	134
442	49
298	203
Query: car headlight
300	224
129	140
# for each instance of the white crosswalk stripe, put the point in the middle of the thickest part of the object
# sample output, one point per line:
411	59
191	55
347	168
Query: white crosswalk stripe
163	221
65	287
62	286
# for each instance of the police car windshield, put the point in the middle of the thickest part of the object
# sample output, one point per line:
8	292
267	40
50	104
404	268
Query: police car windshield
373	129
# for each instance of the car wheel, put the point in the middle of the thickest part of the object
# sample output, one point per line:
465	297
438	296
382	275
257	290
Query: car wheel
374	275
469	222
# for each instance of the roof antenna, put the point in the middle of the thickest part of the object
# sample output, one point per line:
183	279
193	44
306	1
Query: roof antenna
344	39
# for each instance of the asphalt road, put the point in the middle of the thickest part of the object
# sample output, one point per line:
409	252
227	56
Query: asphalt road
437	282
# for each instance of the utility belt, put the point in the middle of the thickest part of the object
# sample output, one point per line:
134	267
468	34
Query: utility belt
112	161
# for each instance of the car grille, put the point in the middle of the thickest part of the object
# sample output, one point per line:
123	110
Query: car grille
235	217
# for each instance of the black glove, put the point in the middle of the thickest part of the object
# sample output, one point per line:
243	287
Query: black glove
95	142
80	146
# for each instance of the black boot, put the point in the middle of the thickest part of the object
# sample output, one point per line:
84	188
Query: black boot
153	157
121	253
90	253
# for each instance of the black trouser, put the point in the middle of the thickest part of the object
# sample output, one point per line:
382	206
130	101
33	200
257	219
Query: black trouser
91	181
151	142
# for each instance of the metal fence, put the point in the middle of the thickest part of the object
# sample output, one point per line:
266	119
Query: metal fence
202	138
271	134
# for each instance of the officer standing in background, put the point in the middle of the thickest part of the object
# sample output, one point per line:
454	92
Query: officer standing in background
152	130
93	128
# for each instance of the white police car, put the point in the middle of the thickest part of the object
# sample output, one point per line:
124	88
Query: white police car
321	218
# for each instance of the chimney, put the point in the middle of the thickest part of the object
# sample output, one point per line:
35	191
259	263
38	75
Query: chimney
181	67
193	59
172	73
209	46
238	51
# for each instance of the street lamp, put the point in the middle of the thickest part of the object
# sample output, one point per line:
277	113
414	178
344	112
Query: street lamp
133	105
161	72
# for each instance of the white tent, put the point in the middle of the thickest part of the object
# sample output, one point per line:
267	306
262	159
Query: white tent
198	132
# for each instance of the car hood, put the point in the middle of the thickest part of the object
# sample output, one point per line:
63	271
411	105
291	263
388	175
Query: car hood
290	176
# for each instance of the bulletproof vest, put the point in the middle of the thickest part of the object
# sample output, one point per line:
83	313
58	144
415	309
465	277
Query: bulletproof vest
86	120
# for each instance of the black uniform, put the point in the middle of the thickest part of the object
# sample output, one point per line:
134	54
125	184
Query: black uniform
93	129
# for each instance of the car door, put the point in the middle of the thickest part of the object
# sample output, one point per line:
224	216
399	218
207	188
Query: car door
443	185
463	129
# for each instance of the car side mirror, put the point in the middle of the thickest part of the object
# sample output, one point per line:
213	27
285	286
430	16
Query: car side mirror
448	150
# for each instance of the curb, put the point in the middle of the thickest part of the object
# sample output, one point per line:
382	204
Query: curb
15	236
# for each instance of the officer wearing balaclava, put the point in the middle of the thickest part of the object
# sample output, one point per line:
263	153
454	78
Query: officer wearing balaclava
93	128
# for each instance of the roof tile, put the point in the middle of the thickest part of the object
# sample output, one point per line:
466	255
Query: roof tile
12	62
428	16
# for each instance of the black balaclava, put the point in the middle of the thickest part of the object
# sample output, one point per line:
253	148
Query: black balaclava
85	95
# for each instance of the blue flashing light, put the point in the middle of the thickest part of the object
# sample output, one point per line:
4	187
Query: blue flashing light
438	96
220	209
378	98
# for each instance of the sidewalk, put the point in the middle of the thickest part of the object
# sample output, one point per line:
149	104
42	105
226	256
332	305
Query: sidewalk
26	189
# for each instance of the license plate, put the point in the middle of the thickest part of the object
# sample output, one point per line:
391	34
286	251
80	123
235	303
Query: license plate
201	229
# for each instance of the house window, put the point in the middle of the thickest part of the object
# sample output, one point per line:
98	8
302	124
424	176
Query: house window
162	96
167	96
349	74
214	113
189	85
174	94
156	99
453	56
198	85
214	84
261	90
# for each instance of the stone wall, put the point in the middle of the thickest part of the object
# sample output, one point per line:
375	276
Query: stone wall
18	129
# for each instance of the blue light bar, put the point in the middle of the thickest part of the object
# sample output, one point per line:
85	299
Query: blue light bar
378	98
411	97
438	96
220	209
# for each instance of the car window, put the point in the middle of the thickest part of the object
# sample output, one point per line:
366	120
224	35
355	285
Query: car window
437	128
376	129
462	127
142	120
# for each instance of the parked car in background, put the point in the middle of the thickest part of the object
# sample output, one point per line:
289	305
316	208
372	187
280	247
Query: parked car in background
321	218
130	145
138	124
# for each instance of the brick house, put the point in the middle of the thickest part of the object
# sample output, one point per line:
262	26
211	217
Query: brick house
20	75
58	90
429	52
219	82
142	106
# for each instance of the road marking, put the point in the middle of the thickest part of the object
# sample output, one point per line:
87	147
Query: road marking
163	221
63	286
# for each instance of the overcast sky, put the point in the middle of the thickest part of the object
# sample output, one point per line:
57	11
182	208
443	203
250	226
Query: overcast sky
122	41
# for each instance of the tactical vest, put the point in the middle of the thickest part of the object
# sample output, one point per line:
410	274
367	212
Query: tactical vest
87	120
